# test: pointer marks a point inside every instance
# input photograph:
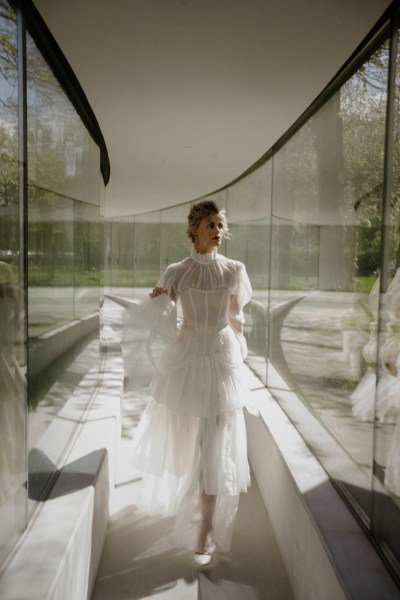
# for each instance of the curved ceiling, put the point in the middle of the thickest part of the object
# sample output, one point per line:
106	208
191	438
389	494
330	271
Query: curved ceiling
190	93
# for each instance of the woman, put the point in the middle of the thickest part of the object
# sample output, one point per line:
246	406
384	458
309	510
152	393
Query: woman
192	435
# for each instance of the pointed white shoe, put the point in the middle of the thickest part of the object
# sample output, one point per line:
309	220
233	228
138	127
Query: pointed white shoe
201	559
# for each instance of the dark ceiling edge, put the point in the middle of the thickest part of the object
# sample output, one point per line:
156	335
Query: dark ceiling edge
62	70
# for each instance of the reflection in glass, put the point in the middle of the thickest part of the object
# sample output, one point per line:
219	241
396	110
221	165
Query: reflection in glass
147	253
50	261
326	235
387	427
249	209
175	244
64	268
12	307
87	259
62	155
121	255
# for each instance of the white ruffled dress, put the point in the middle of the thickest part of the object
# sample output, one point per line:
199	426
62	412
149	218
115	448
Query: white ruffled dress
192	438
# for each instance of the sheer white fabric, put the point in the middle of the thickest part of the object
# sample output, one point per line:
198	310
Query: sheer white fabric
192	436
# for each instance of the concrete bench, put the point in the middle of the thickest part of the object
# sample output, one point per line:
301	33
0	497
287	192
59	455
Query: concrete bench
57	557
59	554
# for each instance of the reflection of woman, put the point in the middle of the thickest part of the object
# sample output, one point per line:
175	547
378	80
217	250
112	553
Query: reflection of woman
192	435
363	397
391	358
8	408
365	405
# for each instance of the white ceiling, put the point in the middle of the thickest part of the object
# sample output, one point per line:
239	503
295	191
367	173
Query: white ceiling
190	93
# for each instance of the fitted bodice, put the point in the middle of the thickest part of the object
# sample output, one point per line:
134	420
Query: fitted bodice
205	315
212	290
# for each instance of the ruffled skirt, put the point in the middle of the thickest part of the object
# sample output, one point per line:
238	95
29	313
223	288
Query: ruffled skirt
191	439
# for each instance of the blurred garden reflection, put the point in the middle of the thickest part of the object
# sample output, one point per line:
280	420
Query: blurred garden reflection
13	475
64	191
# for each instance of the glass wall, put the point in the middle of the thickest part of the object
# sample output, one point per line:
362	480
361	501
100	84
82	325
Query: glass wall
317	225
147	253
50	196
63	262
326	239
248	212
174	242
121	253
386	458
87	258
12	297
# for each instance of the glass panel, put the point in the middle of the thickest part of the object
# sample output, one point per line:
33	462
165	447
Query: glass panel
122	243
106	255
327	198
12	303
87	259
64	196
249	209
387	428
175	244
147	253
50	261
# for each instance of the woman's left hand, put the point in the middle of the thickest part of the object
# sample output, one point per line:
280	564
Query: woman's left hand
157	292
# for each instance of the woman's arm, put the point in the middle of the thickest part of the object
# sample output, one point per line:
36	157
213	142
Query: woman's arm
166	284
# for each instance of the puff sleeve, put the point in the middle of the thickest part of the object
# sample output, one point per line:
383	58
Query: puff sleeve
164	310
167	281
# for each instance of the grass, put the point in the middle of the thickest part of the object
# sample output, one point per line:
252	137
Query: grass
149	277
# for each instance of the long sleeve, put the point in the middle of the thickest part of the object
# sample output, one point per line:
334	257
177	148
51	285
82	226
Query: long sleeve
239	299
167	281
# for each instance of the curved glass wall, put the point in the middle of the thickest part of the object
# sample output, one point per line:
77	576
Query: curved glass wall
249	216
147	252
386	450
317	225
63	265
326	240
50	197
12	296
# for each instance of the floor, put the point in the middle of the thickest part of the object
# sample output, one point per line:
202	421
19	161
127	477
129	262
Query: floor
138	561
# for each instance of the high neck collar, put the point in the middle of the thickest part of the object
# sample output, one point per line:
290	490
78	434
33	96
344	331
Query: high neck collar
206	258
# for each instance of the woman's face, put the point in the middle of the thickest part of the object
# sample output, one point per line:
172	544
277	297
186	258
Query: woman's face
209	233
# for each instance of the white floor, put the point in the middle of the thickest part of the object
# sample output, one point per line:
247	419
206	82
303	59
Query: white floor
138	561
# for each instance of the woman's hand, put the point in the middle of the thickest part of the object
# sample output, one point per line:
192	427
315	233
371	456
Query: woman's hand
157	292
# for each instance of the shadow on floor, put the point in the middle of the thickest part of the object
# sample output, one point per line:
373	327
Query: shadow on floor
138	561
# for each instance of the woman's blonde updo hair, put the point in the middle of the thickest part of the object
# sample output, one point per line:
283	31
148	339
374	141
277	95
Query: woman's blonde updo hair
201	209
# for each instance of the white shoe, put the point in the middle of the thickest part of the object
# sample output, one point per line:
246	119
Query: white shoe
202	560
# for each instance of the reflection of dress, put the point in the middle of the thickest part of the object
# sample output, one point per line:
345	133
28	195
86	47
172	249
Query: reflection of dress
391	360
363	397
11	408
378	396
192	435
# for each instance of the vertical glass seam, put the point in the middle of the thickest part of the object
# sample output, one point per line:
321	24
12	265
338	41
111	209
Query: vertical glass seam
23	208
385	221
388	156
267	345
